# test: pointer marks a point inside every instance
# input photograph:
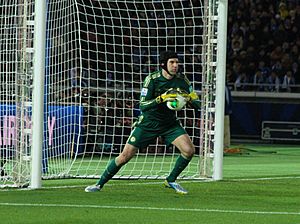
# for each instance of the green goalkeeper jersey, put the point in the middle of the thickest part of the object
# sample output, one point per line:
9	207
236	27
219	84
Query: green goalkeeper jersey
158	114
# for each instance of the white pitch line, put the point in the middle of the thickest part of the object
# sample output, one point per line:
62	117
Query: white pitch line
264	178
150	208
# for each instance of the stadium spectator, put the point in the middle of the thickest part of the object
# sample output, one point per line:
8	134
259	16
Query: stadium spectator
288	81
259	81
104	113
157	120
296	72
229	75
283	11
242	82
265	70
80	79
273	82
228	112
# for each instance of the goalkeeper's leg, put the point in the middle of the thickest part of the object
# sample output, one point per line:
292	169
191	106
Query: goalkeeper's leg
187	149
180	165
113	167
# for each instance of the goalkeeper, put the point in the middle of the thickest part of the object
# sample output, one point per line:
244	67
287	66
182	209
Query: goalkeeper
157	120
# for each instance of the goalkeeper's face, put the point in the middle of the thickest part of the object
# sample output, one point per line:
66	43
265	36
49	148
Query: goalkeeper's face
172	66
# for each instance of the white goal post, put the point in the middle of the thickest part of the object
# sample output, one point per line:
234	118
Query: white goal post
71	72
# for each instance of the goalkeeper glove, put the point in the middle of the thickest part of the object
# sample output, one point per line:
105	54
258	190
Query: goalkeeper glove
166	97
189	97
193	96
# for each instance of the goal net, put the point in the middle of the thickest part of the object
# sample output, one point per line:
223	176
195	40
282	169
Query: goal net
98	53
16	54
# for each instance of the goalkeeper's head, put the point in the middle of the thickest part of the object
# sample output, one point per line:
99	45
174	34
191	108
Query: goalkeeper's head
164	59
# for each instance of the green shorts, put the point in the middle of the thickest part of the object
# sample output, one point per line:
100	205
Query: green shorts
141	137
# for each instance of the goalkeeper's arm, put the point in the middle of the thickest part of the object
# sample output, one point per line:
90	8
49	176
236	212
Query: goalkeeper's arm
148	104
194	100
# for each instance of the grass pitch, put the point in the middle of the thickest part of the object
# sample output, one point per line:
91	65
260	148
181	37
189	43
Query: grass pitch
259	186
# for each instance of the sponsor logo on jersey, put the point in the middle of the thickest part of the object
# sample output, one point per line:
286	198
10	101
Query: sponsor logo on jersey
144	91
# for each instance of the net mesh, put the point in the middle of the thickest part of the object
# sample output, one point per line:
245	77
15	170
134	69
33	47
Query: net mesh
97	56
16	55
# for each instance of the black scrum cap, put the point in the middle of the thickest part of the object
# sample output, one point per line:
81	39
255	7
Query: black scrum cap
165	56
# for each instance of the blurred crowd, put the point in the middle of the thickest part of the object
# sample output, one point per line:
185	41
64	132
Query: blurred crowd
122	46
263	45
262	53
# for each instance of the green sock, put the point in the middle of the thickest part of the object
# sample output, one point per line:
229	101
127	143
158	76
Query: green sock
108	173
180	165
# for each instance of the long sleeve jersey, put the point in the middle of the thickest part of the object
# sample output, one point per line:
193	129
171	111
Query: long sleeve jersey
156	84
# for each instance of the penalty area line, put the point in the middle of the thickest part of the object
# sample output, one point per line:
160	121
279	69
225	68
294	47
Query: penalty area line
151	208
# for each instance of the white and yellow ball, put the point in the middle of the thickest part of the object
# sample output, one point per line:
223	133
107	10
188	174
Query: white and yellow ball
177	104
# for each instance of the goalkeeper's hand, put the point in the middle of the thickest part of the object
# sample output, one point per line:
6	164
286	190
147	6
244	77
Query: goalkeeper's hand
192	96
166	97
189	97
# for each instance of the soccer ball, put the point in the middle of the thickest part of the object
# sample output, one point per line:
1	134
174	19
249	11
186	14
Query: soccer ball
177	104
